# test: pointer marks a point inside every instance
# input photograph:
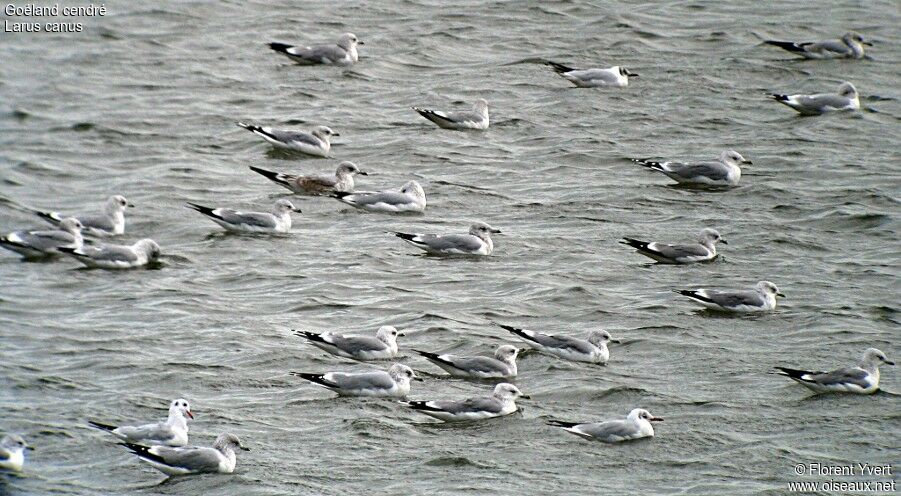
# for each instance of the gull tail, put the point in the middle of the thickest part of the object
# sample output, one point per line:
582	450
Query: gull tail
432	356
422	405
314	378
795	374
650	164
694	294
68	250
779	98
144	452
204	210
102	426
280	47
634	243
312	336
405	236
559	68
51	217
275	177
791	46
560	423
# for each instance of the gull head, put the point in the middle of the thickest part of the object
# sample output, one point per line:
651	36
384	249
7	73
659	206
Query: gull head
71	225
847	90
228	441
768	288
387	334
482	230
347	167
480	106
710	237
323	132
732	157
14	442
851	37
506	353
506	391
642	415
414	189
402	374
283	207
601	337
873	357
181	407
348	41
149	247
116	204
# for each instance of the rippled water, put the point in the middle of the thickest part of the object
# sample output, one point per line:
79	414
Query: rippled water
143	103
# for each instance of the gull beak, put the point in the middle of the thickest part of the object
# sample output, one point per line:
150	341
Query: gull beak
656	419
401	334
780	295
723	241
363	173
746	162
525	396
244	448
617	341
335	134
295	209
360	42
189	414
31	448
631	74
418	379
889	362
130	205
496	231
867	43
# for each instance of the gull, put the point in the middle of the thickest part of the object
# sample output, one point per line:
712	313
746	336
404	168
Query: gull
502	365
591	78
110	223
862	379
315	142
171	432
12	453
703	251
381	347
477	118
342	181
344	52
395	383
636	426
761	299
723	172
820	103
501	402
477	242
410	198
103	256
849	46
593	350
279	221
189	460
33	244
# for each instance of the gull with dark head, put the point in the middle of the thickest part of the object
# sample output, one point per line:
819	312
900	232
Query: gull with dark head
110	223
320	184
171	432
636	426
315	142
703	251
862	379
342	53
476	242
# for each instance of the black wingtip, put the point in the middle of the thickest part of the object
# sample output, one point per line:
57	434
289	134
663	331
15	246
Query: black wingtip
406	236
512	329
69	250
427	354
279	47
785	45
201	209
48	216
558	68
634	243
778	97
695	295
793	373
312	336
421	405
340	194
315	378
271	175
560	423
101	426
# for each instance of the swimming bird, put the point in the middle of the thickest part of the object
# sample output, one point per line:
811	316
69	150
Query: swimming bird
381	347
105	256
171	432
592	350
761	299
320	184
410	198
636	426
501	402
343	53
395	383
279	221
34	244
110	223
592	78
476	242
847	98
502	365
849	46
703	251
862	379
477	118
316	142
723	172
190	460
12	453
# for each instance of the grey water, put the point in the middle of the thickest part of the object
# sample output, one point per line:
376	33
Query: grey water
142	102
